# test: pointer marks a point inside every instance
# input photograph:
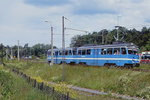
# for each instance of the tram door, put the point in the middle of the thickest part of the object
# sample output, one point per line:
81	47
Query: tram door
96	53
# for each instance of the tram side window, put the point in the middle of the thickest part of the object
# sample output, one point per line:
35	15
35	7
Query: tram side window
56	53
123	51
48	53
70	53
109	51
88	51
60	52
116	51
66	52
103	51
83	52
79	52
74	52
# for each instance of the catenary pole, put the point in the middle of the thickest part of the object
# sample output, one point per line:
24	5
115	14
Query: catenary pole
52	49
52	61
63	48
18	52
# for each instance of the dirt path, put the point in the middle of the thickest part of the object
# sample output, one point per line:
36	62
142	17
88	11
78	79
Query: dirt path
85	90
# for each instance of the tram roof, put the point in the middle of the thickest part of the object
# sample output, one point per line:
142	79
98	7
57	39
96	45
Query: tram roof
128	45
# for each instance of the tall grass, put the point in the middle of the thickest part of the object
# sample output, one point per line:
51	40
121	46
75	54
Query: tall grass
18	89
98	78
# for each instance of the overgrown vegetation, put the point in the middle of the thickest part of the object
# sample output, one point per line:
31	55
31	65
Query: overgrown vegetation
6	85
109	80
13	87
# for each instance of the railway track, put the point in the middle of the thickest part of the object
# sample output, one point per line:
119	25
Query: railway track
132	69
141	70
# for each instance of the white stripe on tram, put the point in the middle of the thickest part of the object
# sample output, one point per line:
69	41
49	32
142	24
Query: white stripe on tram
97	58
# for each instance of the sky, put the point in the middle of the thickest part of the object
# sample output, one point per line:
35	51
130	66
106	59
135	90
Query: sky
24	20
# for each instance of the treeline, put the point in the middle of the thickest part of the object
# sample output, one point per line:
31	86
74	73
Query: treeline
140	38
37	50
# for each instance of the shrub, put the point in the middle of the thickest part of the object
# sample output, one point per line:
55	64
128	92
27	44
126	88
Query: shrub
6	82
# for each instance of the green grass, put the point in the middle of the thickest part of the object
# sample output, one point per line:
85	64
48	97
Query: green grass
18	89
109	80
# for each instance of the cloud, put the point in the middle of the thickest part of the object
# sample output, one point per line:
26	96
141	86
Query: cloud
91	11
93	7
45	3
24	19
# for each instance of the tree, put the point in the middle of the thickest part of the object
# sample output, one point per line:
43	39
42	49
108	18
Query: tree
139	38
2	53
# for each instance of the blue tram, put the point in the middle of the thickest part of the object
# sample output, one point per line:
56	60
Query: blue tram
124	54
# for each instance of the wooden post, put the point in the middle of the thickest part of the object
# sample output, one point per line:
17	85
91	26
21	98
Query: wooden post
67	98
34	83
41	87
53	89
29	79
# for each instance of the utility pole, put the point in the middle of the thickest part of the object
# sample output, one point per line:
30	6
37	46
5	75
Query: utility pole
18	52
52	56
102	36
11	57
2	54
117	27
6	54
52	61
63	48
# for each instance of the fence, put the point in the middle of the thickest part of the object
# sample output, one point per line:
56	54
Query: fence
44	88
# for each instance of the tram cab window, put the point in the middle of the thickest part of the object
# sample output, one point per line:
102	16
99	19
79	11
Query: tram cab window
103	51
88	51
135	52
130	51
109	51
116	51
79	52
83	52
123	51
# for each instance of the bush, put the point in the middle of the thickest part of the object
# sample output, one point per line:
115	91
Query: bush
6	83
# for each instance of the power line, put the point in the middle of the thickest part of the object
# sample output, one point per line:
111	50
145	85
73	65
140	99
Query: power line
77	30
